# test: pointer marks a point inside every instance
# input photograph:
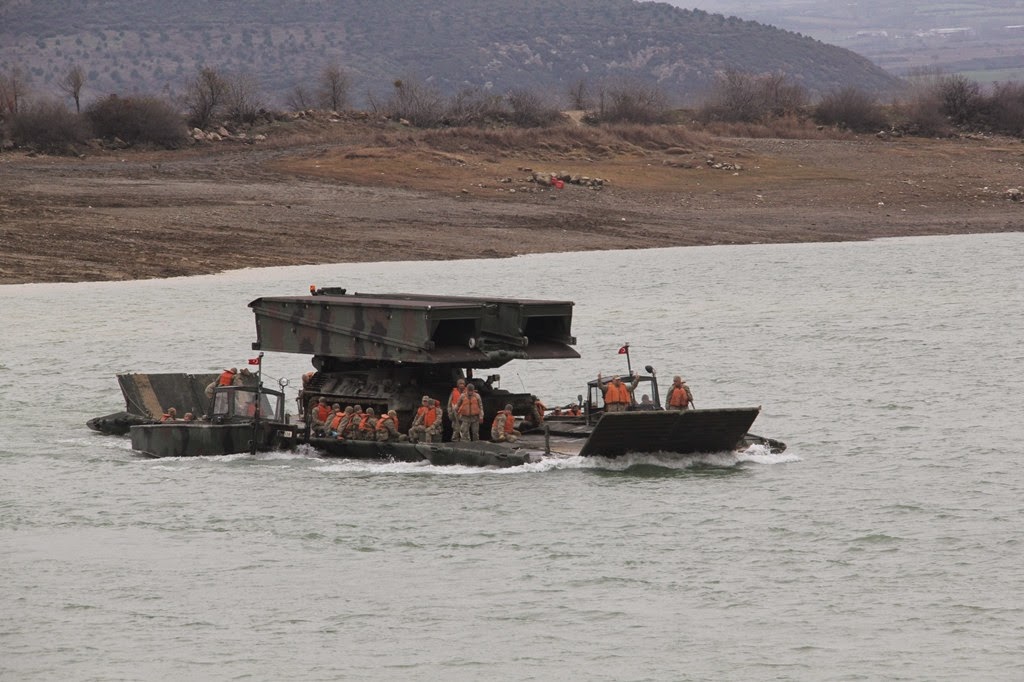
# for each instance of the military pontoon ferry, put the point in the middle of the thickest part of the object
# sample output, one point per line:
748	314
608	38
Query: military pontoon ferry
386	351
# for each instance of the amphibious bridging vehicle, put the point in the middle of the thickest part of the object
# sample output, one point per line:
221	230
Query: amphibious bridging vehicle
387	351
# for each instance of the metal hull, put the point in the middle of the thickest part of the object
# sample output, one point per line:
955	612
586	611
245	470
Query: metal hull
196	440
477	453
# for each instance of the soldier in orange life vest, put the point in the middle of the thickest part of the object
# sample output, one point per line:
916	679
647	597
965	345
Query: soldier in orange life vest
617	395
320	413
334	421
227	377
470	411
171	415
426	422
350	428
453	414
535	417
367	428
503	427
387	427
679	395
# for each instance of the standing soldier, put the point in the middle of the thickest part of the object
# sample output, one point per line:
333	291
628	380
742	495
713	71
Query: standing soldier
470	411
617	395
387	427
679	395
453	414
503	428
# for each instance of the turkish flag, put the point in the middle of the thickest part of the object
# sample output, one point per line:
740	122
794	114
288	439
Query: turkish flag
624	350
254	361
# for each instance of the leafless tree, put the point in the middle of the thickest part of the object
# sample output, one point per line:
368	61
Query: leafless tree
334	86
299	99
631	102
205	97
14	87
530	108
243	100
71	85
740	96
579	95
417	103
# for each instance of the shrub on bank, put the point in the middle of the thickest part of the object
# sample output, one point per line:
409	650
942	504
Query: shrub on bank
137	120
48	126
851	108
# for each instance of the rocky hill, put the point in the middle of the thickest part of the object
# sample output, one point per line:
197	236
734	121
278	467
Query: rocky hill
153	46
979	38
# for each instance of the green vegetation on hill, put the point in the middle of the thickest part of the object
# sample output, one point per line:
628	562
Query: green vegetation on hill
153	46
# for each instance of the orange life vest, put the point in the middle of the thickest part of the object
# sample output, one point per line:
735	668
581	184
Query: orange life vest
321	412
616	394
540	410
362	422
356	422
510	421
428	415
226	378
454	399
471	407
574	410
165	418
679	397
382	423
336	421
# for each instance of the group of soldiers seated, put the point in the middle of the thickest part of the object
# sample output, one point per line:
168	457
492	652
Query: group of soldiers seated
465	412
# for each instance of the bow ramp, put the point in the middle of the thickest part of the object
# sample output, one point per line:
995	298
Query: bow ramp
686	432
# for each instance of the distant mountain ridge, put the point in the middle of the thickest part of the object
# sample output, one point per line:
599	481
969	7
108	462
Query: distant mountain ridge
155	45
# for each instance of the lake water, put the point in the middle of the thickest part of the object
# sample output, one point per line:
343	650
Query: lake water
886	543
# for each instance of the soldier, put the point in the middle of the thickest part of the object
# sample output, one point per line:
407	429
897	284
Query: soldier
437	430
334	420
351	430
679	395
423	424
344	422
171	415
453	415
387	427
367	429
646	403
189	417
227	377
470	412
319	415
535	417
503	428
617	395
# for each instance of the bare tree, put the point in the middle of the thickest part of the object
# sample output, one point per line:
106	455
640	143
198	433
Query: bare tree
242	98
71	85
334	87
530	108
740	96
631	102
205	96
417	103
14	86
579	95
299	99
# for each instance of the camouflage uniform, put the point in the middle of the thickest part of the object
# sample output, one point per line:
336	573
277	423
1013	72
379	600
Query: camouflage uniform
367	430
418	431
469	425
498	434
460	386
387	428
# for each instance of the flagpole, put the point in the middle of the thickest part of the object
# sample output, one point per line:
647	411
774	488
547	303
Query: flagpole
629	366
256	412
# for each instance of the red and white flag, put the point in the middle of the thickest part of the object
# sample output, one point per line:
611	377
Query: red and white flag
624	350
254	361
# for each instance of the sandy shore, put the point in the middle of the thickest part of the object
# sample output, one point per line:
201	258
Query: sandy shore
128	215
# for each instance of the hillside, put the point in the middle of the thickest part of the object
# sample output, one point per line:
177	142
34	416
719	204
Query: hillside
155	45
980	39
